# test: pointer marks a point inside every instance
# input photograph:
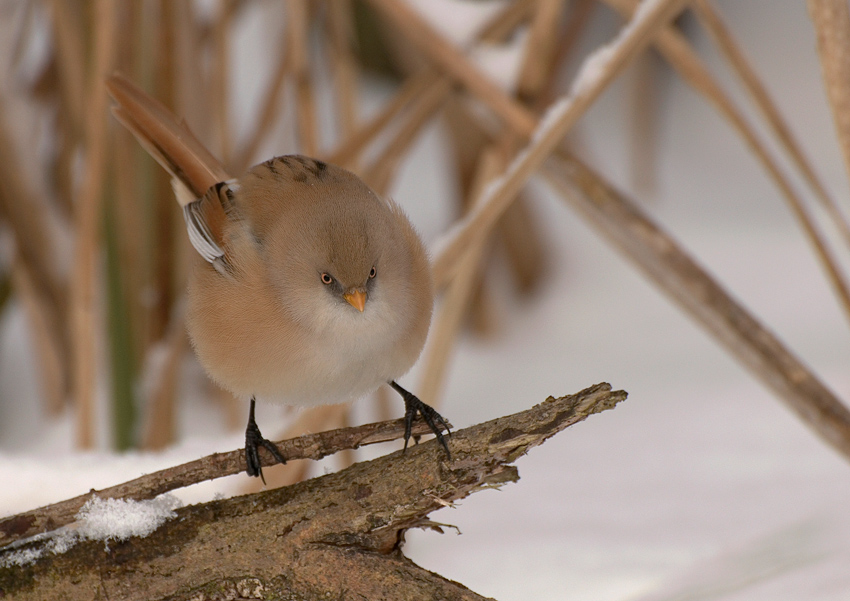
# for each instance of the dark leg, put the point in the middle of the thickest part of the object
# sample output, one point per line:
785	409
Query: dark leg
253	441
435	421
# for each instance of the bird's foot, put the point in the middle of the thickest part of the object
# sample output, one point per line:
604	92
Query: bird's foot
435	421
253	441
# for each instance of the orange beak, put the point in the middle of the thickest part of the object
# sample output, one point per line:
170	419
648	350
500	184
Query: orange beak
356	299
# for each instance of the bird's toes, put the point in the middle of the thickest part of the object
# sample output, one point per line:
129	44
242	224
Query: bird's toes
253	441
435	421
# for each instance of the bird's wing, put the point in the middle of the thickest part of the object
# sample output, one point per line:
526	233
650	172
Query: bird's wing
205	222
196	174
200	234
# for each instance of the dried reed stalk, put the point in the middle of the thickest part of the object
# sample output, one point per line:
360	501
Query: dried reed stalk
28	215
128	217
123	365
37	280
87	226
677	51
715	25
525	244
661	258
539	48
598	72
468	142
298	51
577	22
644	116
47	336
271	108
454	62
63	170
458	294
194	50
5	289
161	417
832	25
159	268
514	14
166	75
220	80
414	87
379	174
339	35
348	151
68	31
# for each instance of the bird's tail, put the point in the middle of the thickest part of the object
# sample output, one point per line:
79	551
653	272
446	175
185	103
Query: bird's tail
192	167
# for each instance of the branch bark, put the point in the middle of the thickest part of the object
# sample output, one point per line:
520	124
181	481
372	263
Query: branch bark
217	465
337	536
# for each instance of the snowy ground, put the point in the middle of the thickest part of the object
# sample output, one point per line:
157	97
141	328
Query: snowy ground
701	485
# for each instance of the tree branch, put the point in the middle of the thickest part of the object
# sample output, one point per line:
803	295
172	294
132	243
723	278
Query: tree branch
217	465
336	536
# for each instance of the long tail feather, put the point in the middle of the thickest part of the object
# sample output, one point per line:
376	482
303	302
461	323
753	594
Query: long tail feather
166	139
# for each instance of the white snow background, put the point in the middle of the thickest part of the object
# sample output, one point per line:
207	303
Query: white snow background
702	485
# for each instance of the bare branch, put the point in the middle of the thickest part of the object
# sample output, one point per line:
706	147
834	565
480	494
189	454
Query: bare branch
217	465
336	536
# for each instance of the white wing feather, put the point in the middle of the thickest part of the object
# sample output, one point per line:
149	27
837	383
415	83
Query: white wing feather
199	234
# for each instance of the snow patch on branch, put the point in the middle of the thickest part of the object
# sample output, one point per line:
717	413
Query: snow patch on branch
100	519
119	519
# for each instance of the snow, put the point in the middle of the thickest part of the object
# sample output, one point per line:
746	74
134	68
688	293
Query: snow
701	485
100	519
119	519
598	62
21	558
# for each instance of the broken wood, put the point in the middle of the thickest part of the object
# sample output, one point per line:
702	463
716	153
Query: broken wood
335	536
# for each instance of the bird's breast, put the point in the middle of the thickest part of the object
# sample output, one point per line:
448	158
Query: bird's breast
250	345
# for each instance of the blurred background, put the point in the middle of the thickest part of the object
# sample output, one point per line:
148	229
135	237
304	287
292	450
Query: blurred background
703	485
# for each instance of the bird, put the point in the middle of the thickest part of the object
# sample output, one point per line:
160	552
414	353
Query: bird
308	287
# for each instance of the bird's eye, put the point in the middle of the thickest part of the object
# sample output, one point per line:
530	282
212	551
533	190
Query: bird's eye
327	279
372	273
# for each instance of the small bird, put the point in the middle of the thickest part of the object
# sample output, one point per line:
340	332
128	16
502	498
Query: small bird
310	289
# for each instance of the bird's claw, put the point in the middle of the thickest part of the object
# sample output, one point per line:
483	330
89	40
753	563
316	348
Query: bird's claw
253	441
435	421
